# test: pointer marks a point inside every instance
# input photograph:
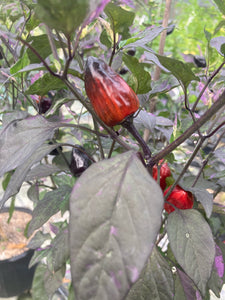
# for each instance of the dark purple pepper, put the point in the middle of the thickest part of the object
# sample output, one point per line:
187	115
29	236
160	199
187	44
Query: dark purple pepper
80	160
131	51
44	104
170	29
123	71
200	61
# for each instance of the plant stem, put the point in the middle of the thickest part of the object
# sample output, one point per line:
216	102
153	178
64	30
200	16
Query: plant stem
102	155
204	163
206	85
128	124
201	121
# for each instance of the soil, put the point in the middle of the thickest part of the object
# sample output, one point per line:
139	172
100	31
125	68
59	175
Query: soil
12	239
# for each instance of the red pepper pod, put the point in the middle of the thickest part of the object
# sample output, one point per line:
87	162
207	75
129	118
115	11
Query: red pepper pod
111	97
164	173
179	198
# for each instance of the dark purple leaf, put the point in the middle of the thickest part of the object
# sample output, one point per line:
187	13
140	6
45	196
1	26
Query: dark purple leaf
20	139
192	244
184	287
115	216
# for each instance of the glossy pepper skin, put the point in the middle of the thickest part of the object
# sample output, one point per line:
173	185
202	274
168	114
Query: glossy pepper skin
179	198
80	161
164	173
111	97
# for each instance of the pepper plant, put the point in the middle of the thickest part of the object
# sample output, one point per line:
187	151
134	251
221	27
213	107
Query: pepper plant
139	220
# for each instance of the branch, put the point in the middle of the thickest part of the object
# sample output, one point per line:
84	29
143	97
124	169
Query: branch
39	56
201	121
207	159
207	83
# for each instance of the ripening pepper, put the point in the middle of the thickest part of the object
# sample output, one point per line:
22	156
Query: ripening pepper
111	97
179	198
164	173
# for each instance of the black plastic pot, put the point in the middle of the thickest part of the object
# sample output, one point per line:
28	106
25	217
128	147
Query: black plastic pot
15	275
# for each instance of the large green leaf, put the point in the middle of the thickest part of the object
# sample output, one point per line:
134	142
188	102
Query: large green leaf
64	15
221	5
179	69
155	282
41	44
192	244
143	77
115	216
45	84
142	38
20	64
120	19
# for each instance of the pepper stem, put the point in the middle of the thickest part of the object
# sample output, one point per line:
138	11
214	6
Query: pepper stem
128	124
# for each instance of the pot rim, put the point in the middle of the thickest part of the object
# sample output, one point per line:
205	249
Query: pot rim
26	252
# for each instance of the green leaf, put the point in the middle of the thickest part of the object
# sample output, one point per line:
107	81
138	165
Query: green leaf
221	5
142	38
41	44
20	64
56	106
41	171
52	202
59	251
205	198
6	180
143	77
208	35
33	193
120	19
39	239
38	288
155	282
163	86
38	256
64	180
45	84
105	39
192	244
219	26
64	15
53	280
35	67
179	69
109	248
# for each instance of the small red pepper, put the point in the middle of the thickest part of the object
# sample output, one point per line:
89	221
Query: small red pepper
164	173
179	198
111	97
